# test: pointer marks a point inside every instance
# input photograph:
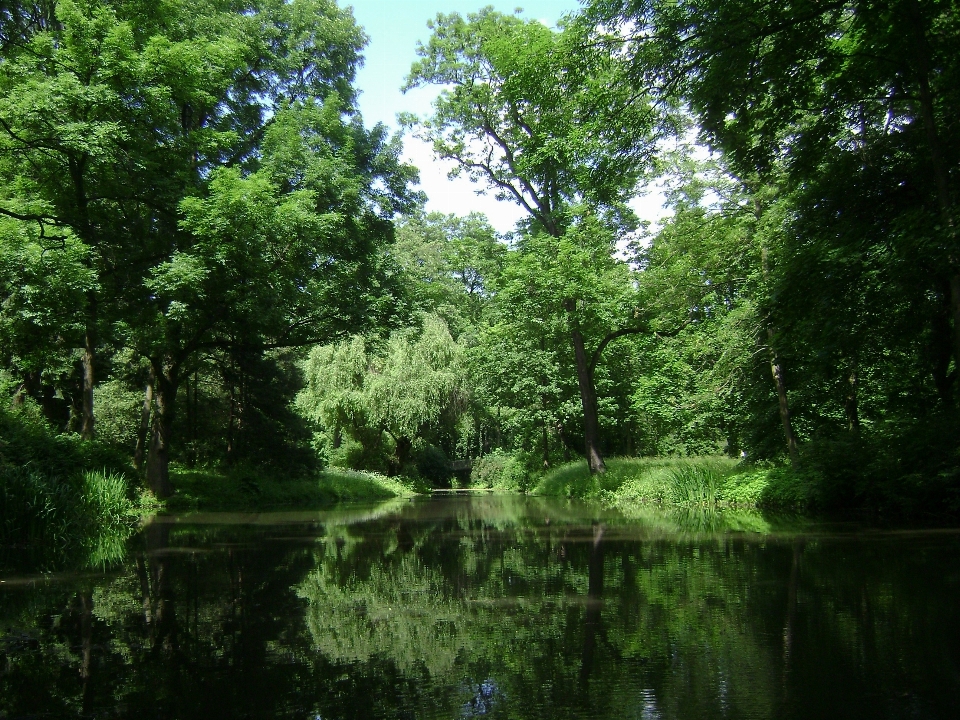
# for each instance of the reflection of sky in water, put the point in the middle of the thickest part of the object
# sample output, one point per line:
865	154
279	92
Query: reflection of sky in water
483	700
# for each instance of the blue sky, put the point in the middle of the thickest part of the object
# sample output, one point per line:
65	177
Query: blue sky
394	29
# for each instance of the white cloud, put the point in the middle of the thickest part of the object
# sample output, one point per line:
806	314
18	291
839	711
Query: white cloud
457	196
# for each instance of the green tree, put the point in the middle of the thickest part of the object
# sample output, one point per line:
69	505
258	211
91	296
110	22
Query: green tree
212	163
545	119
413	388
856	104
450	264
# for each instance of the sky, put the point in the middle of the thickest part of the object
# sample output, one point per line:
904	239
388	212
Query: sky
393	28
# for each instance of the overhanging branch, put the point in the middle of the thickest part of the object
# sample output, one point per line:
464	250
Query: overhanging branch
630	331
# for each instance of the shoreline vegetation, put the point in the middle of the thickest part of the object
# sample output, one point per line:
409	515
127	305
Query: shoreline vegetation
67	501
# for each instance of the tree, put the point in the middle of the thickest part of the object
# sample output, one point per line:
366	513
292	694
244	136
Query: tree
282	257
450	265
544	119
412	388
41	282
212	163
856	104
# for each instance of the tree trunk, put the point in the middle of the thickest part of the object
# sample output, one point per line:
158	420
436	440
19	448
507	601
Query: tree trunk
163	630
141	449
955	307
592	621
89	353
545	444
158	462
791	615
588	399
404	446
941	175
28	387
777	371
941	345
230	420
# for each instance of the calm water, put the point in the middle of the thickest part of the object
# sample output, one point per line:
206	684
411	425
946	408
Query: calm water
503	607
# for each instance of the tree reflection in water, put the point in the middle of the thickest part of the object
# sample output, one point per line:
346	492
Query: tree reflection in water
468	607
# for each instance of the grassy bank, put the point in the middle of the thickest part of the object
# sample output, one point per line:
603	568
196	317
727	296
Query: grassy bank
253	489
62	501
701	481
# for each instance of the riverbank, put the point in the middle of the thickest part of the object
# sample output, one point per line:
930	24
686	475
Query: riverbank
253	489
712	480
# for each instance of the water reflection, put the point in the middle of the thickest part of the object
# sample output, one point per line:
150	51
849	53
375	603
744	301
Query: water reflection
495	607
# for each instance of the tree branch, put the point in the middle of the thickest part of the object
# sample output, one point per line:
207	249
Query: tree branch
595	358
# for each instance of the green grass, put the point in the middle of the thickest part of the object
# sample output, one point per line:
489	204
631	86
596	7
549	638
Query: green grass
712	481
251	489
48	521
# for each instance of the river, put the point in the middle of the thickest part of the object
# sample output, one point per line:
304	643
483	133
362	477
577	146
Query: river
494	606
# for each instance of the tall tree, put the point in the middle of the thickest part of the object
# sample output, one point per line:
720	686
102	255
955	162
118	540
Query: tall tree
863	93
545	119
407	389
210	158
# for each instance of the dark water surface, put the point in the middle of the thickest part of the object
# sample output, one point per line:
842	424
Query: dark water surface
505	607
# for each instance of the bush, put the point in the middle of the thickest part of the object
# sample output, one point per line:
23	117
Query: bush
499	470
27	441
374	456
60	498
49	521
248	488
118	414
695	484
679	481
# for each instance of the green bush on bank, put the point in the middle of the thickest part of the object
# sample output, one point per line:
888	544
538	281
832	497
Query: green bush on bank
47	520
61	500
250	488
499	470
698	481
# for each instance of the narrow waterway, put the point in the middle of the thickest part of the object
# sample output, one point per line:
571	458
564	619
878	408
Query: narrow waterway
498	606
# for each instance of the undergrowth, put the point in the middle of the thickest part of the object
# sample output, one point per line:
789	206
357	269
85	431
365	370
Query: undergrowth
710	481
249	488
62	501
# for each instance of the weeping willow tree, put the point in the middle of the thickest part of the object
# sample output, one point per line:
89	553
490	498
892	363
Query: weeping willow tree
410	389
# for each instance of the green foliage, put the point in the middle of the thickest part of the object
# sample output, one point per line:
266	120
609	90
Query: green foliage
203	188
499	470
412	388
106	498
118	414
524	360
252	488
539	116
450	266
27	441
433	466
684	482
694	485
61	500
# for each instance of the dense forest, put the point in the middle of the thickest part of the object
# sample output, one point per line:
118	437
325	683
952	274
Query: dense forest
209	261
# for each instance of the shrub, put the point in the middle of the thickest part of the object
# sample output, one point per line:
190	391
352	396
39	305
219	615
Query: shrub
60	498
500	470
695	484
118	414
